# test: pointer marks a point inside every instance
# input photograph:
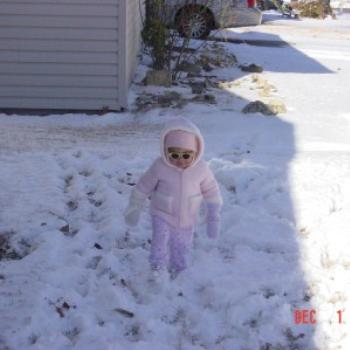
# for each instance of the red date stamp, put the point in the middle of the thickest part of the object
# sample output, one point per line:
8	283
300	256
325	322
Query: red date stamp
308	316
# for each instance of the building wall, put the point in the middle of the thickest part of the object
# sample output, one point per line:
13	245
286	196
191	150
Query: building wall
131	18
135	15
60	54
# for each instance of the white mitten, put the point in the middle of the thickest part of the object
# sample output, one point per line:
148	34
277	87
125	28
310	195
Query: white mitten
213	220
133	210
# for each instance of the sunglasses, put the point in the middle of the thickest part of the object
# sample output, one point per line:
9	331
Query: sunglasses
179	155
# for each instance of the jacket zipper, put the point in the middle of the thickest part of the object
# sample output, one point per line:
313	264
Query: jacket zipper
181	189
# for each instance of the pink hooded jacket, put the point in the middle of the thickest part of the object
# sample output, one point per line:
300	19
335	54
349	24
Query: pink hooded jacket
176	194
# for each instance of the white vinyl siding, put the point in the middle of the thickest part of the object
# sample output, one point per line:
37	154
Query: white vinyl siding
135	15
66	54
130	42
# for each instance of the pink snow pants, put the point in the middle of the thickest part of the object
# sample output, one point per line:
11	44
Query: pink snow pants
170	246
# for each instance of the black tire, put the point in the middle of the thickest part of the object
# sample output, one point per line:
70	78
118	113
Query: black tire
194	22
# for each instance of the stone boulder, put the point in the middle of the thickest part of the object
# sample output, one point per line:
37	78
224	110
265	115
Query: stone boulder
272	107
252	68
158	78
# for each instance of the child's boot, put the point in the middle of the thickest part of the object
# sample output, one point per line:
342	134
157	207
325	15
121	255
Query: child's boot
159	278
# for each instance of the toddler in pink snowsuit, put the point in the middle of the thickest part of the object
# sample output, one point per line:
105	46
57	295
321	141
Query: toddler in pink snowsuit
177	182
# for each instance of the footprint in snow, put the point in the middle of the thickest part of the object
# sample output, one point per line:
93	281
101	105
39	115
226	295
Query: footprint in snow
86	172
93	262
68	182
72	205
95	202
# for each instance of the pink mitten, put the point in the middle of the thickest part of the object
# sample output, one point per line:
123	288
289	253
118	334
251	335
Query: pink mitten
213	220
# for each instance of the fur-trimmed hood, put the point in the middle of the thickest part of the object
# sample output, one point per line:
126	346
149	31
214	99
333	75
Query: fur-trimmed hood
183	124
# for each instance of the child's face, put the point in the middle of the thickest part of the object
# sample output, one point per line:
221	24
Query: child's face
180	157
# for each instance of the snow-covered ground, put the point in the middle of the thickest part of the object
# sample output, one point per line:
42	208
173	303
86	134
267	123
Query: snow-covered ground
74	276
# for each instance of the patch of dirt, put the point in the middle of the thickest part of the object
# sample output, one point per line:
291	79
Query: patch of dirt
11	251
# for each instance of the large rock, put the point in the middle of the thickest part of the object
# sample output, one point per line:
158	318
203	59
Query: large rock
257	107
158	77
272	107
252	68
